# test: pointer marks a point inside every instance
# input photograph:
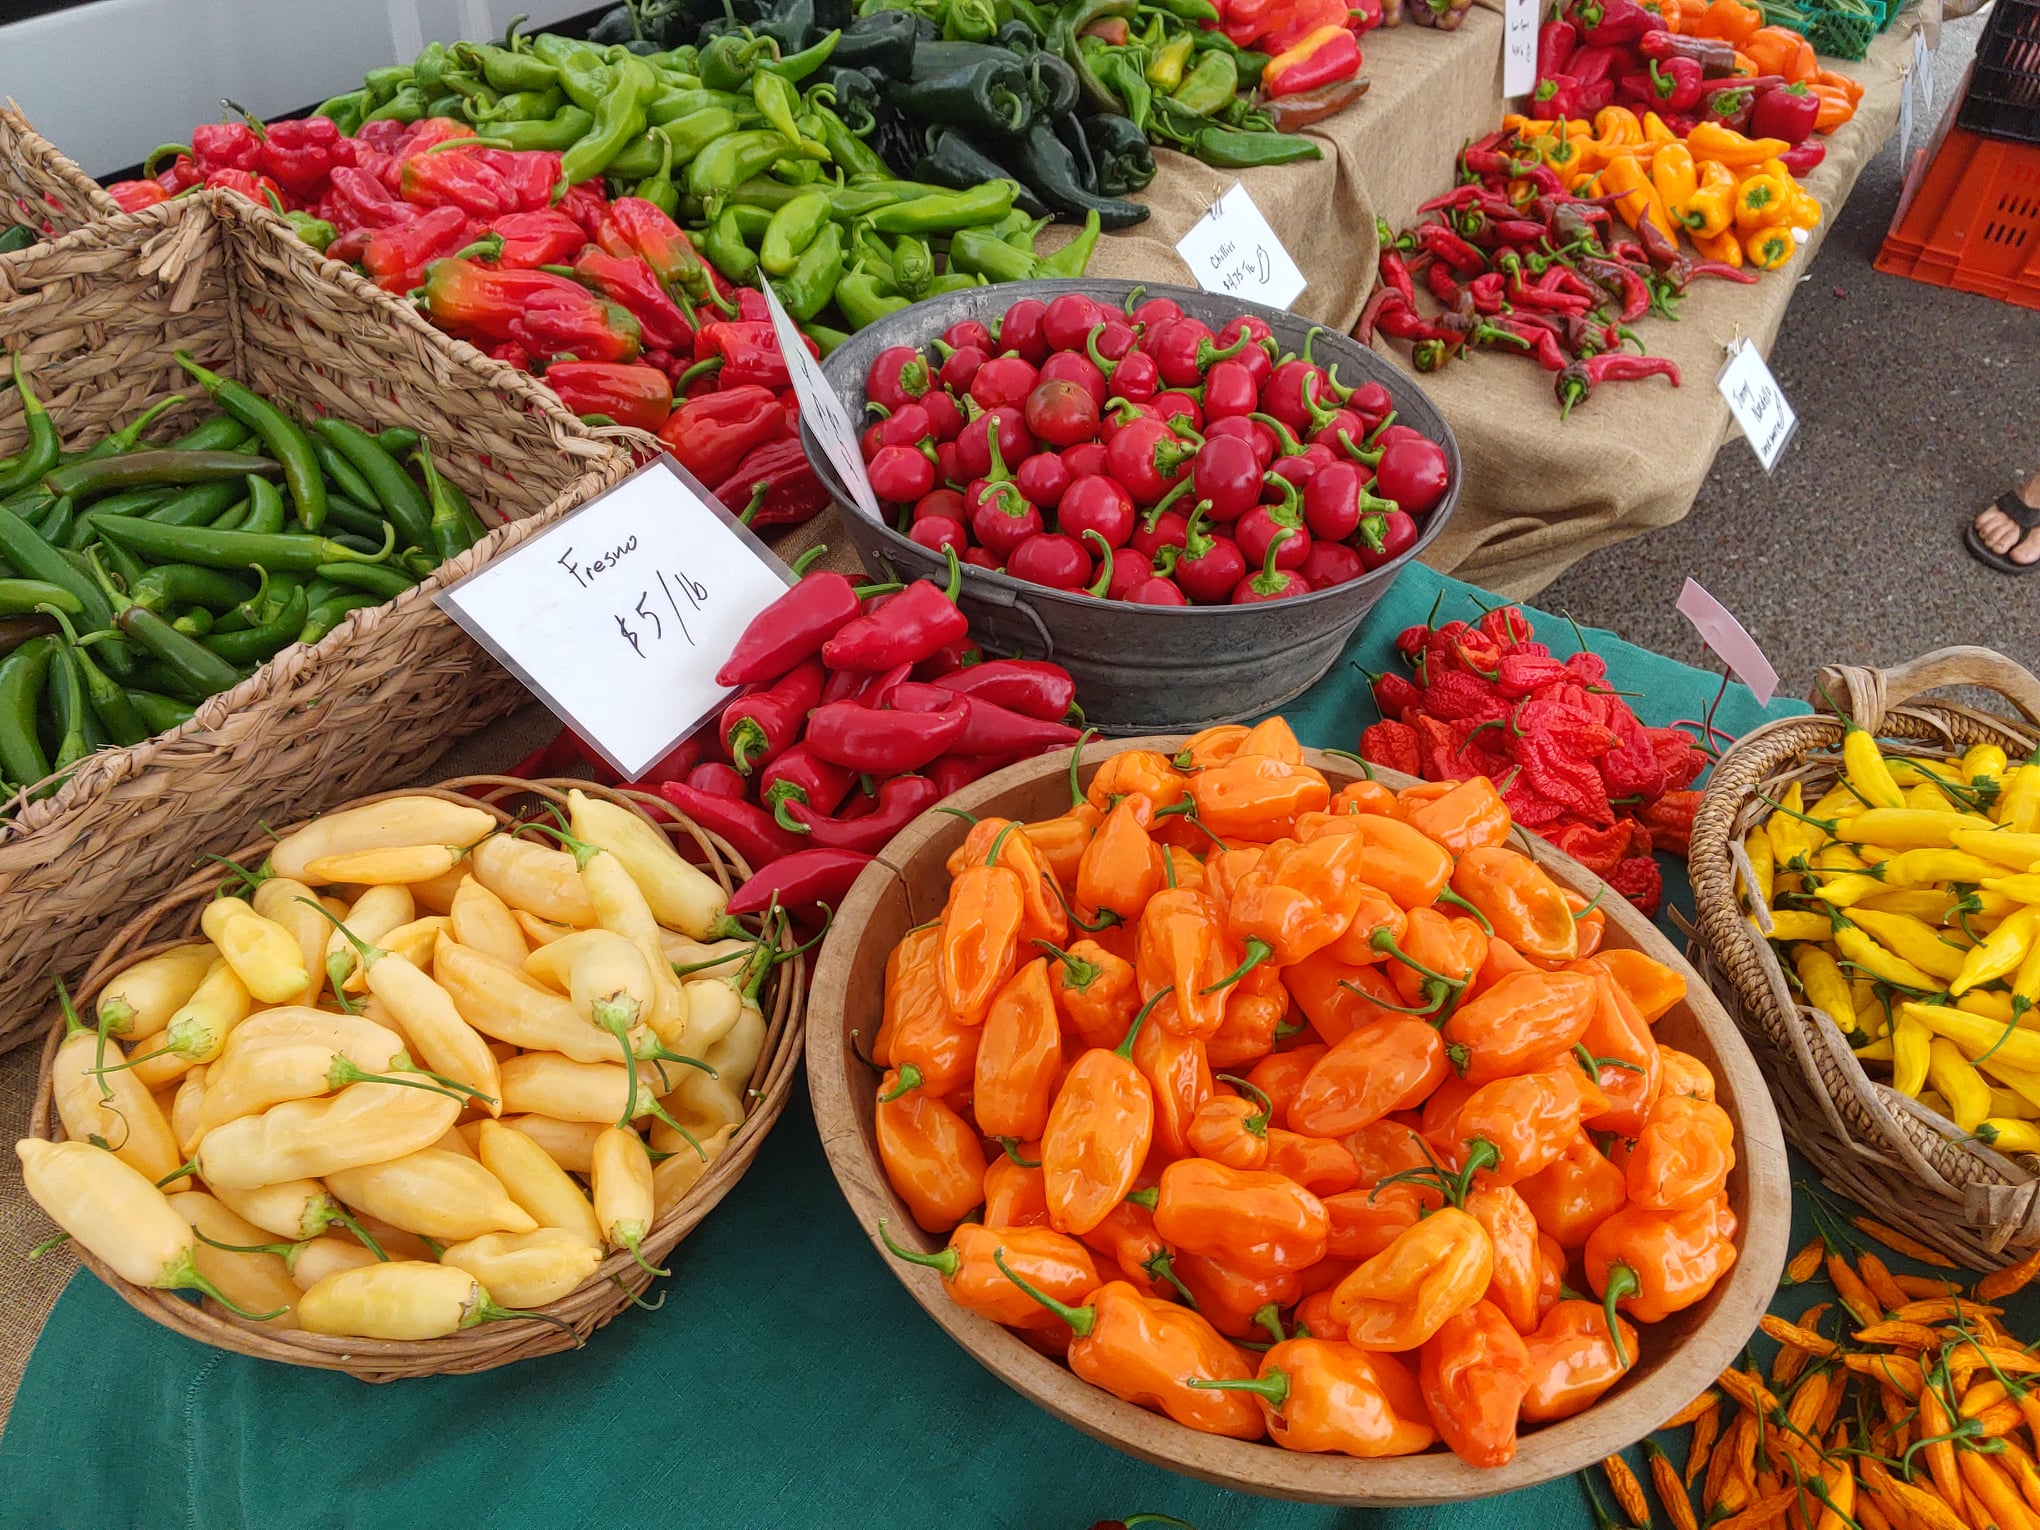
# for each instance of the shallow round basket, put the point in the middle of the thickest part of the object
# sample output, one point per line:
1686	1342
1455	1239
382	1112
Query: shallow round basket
1905	1164
1144	669
1681	1356
617	1282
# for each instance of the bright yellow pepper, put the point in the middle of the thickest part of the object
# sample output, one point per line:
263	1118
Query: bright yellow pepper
2018	805
1675	176
1655	130
1826	989
1723	247
1615	125
1757	846
1768	248
1913	940
2005	949
2008	1135
1885	965
2019	850
1909	827
1911	1042
1968	1096
1712	140
1791	924
1923	868
1710	210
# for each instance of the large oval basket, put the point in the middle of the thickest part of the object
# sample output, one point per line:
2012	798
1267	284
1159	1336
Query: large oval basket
617	1282
1907	1165
909	885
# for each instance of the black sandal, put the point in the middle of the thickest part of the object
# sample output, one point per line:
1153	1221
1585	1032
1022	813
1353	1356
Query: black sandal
2020	514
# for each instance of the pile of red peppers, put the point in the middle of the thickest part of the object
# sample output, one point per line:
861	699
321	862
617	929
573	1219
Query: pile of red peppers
1571	759
1521	265
607	300
858	708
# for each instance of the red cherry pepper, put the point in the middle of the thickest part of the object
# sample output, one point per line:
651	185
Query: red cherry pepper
1043	479
1331	563
1169	529
1157	591
905	630
1398	536
974	444
945	416
748	827
1132	376
1021	330
939	533
759	725
800	775
1230	390
900	474
1050	558
1068	319
1280	523
1076	367
1147	459
804	883
1207	567
1086	460
960	367
1184	351
1291	390
941	504
968	332
901	799
1272	583
1120	569
897	376
1060	412
1249	430
1259	357
1003	380
1096	503
1149	314
1226	473
1335	500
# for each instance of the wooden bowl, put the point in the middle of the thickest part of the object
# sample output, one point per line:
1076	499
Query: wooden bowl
1681	1356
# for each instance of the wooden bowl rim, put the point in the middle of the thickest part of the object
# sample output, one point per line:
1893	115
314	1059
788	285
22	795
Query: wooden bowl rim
1436	1477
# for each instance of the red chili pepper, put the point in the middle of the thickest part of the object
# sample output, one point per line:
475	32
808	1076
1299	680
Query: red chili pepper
857	737
748	827
719	779
953	772
357	199
633	226
801	883
989	729
1578	381
794	627
761	724
900	800
226	146
774	486
627	280
800	775
630	393
256	188
905	630
133	196
396	256
711	435
749	350
1031	687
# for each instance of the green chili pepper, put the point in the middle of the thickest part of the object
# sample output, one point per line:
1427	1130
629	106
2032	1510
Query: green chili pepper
659	189
20	596
40	456
454	526
727	62
19	237
162	465
619	117
725	246
129	436
1212	84
196	622
807	289
197	666
1229	150
913	265
127	568
57	526
979	251
796	67
110	703
383	580
947	211
234	519
200	505
547	134
527	106
1069	262
189	584
792	229
265	508
36	559
825	339
399	498
776	100
213	548
345	112
159	713
671	105
851	154
221	433
407	105
258	644
734	158
279	432
328	615
67	699
1165	69
23	674
345	515
341	474
397	439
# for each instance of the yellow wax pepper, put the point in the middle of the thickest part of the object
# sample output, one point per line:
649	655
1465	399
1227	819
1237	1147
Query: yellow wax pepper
2018	805
1617	125
1826	989
1655	130
1968	1096
2005	949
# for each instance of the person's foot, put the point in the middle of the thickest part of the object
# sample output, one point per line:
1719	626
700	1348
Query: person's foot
2003	536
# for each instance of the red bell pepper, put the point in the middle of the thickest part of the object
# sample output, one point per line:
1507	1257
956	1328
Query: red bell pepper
801	883
762	724
1594	63
356	199
1318	58
853	735
133	196
456	178
637	227
258	189
299	153
530	174
1785	111
225	146
711	435
1802	159
586	205
901	799
748	350
576	324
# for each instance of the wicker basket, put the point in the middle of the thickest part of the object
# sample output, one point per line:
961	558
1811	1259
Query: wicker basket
96	315
619	1280
41	187
1903	1163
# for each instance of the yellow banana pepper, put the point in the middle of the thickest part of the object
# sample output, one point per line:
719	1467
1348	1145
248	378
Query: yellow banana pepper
1927	903
2002	951
1656	130
1790	924
1847	890
2009	1102
1984	762
1913	940
1910	1044
2008	1135
1910	827
1968	1096
1826	989
1710	210
1884	965
1923	868
1769	248
1757	846
1984	1041
2018	805
2019	850
1724	145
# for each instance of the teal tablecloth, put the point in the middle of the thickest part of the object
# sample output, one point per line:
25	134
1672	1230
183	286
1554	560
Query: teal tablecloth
789	1379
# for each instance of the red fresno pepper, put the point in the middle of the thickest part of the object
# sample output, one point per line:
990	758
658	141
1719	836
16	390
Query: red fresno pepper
989	729
720	779
800	775
525	240
629	281
908	628
801	883
774	486
712	434
901	799
853	735
258	189
357	199
748	350
1032	687
634	226
761	724
457	178
748	827
396	257
630	393
792	628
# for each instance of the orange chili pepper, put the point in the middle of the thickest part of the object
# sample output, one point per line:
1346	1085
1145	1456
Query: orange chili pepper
1436	959
1403	862
1300	898
913	987
1684	1074
1016	1194
1179	1074
1502	961
1780	51
1094	991
1576	1194
1524	1022
1386	1147
1060	841
1057	1264
989	842
1848	85
1393	1064
1590	921
1516	1126
1322	1165
1375	911
1122	867
1272	739
1256	796
1470	815
1682	1157
1524	906
1230	1299
1232	1129
1365	1222
1325	1396
1573	1360
1183	945
1474	1372
1551	1263
1518	1266
1625	1055
1254	1007
1312	1318
1098	1134
1337	999
1438	1121
1128	1238
1281	1075
1136	770
1213	746
1224	870
1363	797
1147	1351
1020	1059
931	1045
1400	1297
931	1156
1652	986
1654	1263
981	925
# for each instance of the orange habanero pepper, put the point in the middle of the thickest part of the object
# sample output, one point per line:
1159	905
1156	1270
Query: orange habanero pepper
1375	911
1436	960
1387	1146
1337	999
1524	1022
1182	944
1224	870
1474	1371
981	925
1213	746
1576	1194
932	1158
1232	1129
1651	1264
1147	1351
1519	1266
1256	796
1122	867
1393	1064
1684	1074
1016	1194
1524	906
1624	1054
1300	898
1137	770
1407	864
1281	1075
1469	816
1020	1059
1179	1073
1365	1222
1363	797
1322	1165
931	1045
1551	1264
1323	1396
1590	919
1516	1126
1400	1297
1573	1360
1652	986
1060	841
1098	1134
1094	992
913	987
1057	1264
989	841
1682	1156
1231	1300
1503	960
1128	1238
1255	1008
1273	739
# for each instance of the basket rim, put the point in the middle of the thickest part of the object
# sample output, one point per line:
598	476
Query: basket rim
591	1305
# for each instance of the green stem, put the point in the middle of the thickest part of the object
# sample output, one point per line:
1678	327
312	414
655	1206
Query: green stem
1447	895
1125	1048
1622	1282
1258	951
947	1263
1081	1319
1272	1389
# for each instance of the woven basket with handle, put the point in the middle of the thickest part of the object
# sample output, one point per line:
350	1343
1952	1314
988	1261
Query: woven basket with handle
42	188
1905	1164
173	920
96	316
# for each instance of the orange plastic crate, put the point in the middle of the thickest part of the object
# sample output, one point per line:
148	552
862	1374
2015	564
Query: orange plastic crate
1974	223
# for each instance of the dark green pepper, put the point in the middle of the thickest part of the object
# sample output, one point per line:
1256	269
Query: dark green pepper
1229	150
189	584
1121	153
399	498
806	292
40	455
1051	169
23	676
855	98
883	41
286	441
257	644
990	96
1054	85
954	159
789	23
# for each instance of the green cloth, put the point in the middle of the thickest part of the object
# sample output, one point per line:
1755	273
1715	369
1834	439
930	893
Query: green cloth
789	1379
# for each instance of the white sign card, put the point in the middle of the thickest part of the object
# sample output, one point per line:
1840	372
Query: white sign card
618	616
1519	47
1923	69
1757	403
821	411
1234	253
1720	631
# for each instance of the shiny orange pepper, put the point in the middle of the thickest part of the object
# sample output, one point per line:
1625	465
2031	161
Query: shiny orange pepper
1098	1134
1128	1238
1060	841
1224	870
1400	1297
1136	770
1436	959
1181	868
981	926
1628	1067
1179	1073
1272	739
1312	1318
1516	1126
1016	1194
1474	1371
1020	1059
1469	815
1280	1076
1407	864
1438	1121
1121	868
1254	1007
1213	746
1363	797
1682	1156
1590	919
1393	1064
930	1044
1320	1395
1232	1129
1365	1222
1684	1074
1503	960
1652	986
1522	1023
1335	998
1375	911
1059	1265
1524	906
1387	1146
1519	1267
931	1155
1183	945
1573	1361
1229	1297
1257	796
913	987
1651	1264
1576	1193
989	842
1300	898
1147	1351
1550	1274
1322	1165
1094	991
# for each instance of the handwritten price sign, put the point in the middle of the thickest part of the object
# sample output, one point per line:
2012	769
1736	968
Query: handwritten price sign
1234	253
1757	403
618	617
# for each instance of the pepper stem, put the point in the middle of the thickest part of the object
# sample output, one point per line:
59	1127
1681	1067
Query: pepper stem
1383	939
1272	1389
1257	1124
1010	1146
1082	974
911	1078
1081	1319
1125	1048
1258	951
369	955
1447	895
948	1262
1622	1282
184	1276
